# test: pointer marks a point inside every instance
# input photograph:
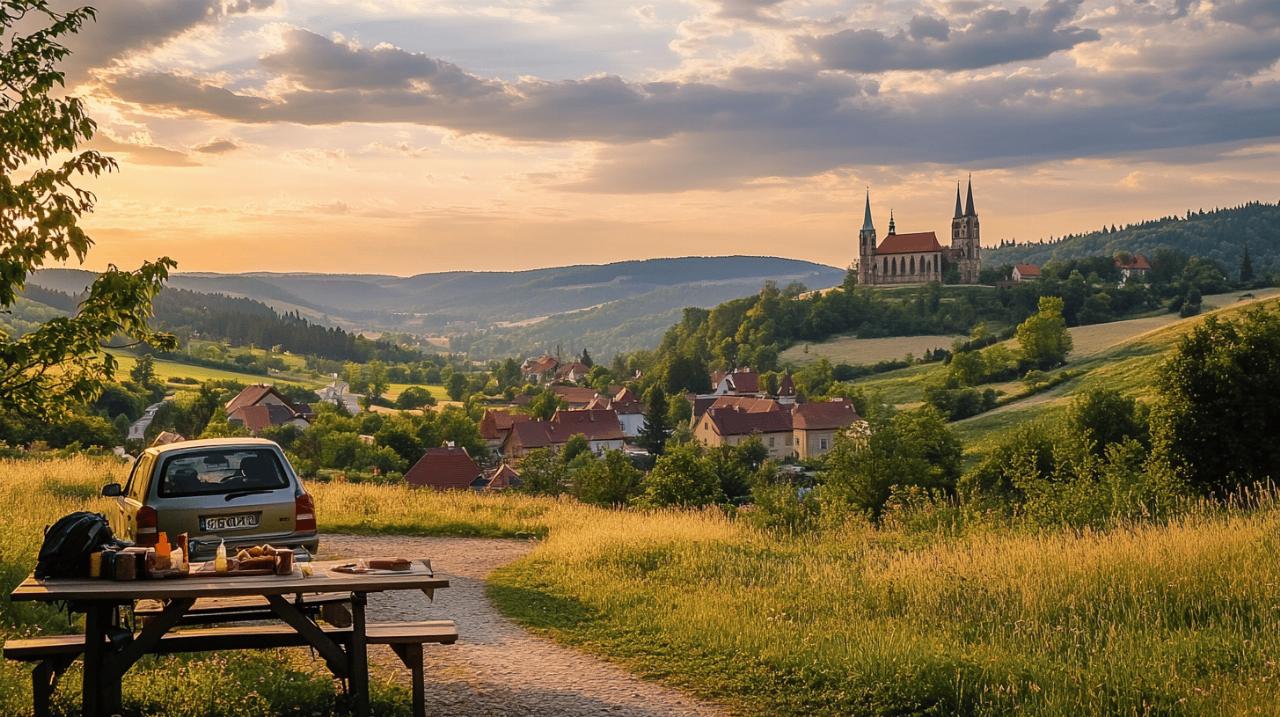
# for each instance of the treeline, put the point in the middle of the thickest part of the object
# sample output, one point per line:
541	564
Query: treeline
1220	235
246	322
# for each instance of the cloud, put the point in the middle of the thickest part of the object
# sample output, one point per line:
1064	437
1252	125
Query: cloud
1249	13
1166	90
142	152
990	36
756	11
217	146
126	27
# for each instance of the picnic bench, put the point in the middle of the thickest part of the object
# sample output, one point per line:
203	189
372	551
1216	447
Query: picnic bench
109	650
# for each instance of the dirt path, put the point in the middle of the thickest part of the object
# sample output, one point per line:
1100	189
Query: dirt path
497	668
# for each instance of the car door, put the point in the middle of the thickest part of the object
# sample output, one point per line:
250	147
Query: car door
124	510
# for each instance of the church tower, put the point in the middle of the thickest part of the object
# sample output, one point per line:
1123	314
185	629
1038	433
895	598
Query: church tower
867	247
966	244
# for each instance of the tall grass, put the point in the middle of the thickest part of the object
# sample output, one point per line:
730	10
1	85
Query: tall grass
980	619
1176	619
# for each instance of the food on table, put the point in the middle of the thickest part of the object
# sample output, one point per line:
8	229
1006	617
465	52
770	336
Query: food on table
390	563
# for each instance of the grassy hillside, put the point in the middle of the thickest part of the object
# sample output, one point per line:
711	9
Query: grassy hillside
856	351
1127	360
166	370
1220	235
1170	619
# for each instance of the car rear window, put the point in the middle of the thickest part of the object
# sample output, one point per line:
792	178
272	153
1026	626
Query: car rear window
220	471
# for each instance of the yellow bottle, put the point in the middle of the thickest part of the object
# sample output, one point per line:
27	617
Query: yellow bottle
220	558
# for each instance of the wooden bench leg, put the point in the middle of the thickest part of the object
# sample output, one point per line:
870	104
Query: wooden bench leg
411	655
44	680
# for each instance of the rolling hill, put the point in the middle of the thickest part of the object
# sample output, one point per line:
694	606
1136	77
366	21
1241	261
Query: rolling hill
520	311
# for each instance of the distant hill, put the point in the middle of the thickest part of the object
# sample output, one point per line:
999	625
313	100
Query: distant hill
1220	235
607	307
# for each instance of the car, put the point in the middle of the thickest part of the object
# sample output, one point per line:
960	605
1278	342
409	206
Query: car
238	490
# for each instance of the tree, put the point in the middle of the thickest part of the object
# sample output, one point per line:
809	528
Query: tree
1043	337
457	386
415	397
545	405
577	445
912	448
541	472
1215	420
611	481
1104	416
585	359
61	363
681	478
1246	266
143	372
653	434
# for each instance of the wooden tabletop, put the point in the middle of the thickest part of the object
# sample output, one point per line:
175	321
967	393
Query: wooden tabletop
323	579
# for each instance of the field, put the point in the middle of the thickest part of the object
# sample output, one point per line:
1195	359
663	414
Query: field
856	351
1153	619
437	391
166	370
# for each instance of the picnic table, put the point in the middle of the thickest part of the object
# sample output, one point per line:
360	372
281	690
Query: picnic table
110	650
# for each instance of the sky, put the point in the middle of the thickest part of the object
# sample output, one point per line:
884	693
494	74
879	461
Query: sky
402	137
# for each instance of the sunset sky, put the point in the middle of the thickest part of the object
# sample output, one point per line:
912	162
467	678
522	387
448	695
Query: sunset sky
403	137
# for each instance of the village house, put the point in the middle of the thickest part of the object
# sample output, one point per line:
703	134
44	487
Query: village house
496	425
1136	267
260	406
629	408
573	372
738	382
541	369
339	394
575	397
1025	272
751	404
730	425
816	424
600	427
501	478
446	468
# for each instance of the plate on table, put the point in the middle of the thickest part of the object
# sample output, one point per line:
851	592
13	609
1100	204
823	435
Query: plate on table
386	567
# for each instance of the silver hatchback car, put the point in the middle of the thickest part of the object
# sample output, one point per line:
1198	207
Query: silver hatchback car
239	490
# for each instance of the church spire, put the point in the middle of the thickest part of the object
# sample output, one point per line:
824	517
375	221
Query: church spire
959	211
891	229
968	205
866	217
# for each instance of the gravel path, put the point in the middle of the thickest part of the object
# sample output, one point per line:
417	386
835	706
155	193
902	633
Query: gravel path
497	668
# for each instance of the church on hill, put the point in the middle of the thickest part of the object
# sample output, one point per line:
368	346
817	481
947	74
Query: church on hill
917	257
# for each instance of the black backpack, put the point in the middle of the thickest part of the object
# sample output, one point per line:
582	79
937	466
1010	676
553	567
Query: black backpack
68	543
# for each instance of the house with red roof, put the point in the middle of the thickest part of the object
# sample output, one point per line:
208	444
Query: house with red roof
741	381
1025	272
600	427
816	424
574	372
261	406
445	468
629	408
496	425
540	369
501	478
1135	267
730	425
575	397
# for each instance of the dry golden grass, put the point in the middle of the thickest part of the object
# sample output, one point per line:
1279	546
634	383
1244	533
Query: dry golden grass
856	351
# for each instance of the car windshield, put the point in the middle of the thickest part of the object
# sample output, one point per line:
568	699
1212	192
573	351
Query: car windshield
215	472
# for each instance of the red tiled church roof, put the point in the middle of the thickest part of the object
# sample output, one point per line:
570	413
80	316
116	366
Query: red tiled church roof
909	243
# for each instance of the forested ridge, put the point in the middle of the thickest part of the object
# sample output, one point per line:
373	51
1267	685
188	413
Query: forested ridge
245	322
1220	235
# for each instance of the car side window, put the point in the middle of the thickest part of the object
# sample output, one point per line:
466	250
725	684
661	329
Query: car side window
140	478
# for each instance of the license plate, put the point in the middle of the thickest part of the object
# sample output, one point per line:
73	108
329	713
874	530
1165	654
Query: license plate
238	521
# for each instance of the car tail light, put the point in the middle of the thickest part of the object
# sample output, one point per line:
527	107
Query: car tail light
304	513
148	526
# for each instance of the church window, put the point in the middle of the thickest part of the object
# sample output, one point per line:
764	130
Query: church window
913	265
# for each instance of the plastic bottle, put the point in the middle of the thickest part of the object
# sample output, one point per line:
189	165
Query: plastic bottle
177	560
220	558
